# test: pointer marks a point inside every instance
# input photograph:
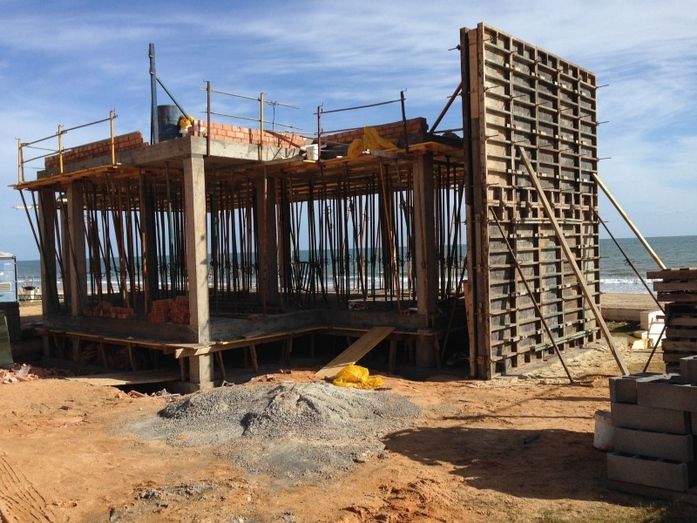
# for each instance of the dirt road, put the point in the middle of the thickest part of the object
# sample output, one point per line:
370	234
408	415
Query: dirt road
510	449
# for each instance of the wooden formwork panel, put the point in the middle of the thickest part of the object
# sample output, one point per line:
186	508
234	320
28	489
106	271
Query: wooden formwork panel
522	96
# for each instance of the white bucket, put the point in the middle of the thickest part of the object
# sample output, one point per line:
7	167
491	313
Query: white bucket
312	152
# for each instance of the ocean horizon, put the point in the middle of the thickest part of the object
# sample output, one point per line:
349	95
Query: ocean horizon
616	275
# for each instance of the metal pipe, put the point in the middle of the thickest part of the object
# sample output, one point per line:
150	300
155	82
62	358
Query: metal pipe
250	119
404	121
261	126
629	222
112	115
629	261
171	97
20	162
442	114
319	132
361	106
154	124
269	102
655	345
538	309
208	117
60	148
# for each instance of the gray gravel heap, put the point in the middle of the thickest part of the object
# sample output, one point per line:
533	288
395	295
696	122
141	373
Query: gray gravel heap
290	430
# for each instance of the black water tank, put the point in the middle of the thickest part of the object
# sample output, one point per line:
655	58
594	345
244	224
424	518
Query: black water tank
167	122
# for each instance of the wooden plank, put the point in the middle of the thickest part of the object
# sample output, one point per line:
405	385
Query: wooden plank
115	379
355	352
675	285
684	273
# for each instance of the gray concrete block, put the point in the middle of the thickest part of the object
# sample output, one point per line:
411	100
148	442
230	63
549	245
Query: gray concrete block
674	447
688	369
650	472
667	394
623	388
630	416
693	415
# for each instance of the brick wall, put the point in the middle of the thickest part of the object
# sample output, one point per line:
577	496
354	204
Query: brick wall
235	133
123	142
416	127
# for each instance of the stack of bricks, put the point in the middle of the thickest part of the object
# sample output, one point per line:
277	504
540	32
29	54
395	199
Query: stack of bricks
170	311
416	129
654	420
678	289
234	133
123	142
104	309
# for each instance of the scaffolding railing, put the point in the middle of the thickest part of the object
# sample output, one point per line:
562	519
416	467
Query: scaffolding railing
61	151
321	111
260	120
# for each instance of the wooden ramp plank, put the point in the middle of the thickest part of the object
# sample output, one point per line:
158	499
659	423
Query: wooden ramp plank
355	352
115	379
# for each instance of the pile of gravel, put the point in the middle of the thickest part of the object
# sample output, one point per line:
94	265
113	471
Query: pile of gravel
290	430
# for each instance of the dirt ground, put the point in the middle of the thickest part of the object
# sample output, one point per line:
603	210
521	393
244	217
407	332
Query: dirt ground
512	449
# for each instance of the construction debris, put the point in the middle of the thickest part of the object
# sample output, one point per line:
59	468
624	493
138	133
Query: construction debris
18	373
289	431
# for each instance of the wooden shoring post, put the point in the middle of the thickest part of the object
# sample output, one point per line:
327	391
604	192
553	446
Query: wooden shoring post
571	259
629	221
78	266
538	309
424	236
20	161
148	220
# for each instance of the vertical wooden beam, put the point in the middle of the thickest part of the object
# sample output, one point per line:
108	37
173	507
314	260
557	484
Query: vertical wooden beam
77	266
149	239
47	226
196	250
267	284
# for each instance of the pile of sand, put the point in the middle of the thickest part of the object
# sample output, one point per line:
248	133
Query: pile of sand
291	430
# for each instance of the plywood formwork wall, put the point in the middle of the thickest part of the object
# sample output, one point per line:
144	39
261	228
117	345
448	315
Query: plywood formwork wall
517	95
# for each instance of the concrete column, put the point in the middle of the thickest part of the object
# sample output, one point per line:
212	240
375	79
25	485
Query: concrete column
47	227
77	264
425	245
267	278
196	247
201	371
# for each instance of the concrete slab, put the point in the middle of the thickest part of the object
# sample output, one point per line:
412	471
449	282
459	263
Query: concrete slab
629	416
674	447
623	388
667	394
649	472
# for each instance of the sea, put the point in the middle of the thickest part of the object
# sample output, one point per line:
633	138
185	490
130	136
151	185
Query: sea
616	274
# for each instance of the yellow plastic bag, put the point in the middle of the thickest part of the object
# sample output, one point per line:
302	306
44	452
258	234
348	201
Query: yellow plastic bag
357	377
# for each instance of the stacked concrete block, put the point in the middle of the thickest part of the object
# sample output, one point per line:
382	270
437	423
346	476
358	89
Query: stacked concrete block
654	419
677	288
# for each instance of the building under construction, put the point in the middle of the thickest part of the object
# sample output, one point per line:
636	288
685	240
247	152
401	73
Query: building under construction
226	241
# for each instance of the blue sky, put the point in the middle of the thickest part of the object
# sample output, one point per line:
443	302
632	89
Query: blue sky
72	62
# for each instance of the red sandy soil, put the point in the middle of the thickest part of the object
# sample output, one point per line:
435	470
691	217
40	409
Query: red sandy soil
510	449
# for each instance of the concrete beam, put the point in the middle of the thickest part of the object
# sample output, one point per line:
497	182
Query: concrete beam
196	247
